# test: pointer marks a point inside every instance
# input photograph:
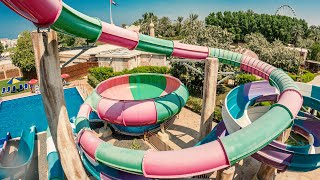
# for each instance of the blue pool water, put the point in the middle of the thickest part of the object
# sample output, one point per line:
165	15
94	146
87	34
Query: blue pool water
20	114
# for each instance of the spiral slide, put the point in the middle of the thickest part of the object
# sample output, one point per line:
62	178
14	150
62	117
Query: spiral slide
205	158
239	113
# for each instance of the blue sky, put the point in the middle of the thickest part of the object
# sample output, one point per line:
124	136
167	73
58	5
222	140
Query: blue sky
130	10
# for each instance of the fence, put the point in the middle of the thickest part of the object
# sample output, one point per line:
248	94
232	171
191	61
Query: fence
10	73
79	70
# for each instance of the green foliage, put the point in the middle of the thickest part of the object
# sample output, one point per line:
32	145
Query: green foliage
23	56
245	78
1	48
217	114
92	81
294	76
99	74
67	41
135	144
273	27
196	33
266	103
307	77
315	52
195	104
274	53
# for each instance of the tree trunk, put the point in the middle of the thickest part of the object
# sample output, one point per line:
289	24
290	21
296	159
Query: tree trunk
48	70
209	96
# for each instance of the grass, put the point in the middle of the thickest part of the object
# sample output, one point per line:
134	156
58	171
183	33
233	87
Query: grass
3	83
195	104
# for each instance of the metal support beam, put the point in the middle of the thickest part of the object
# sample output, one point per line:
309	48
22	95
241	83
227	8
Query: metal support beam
73	58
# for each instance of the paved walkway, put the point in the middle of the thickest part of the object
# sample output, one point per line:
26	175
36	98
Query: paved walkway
316	81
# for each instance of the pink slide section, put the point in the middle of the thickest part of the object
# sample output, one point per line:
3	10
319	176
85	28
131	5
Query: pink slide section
190	51
128	113
89	143
84	110
288	98
172	85
256	67
186	162
42	16
118	36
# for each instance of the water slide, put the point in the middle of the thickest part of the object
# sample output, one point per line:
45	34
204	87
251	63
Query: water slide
55	170
22	159
239	112
167	164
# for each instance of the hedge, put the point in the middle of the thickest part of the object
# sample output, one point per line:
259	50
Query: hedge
99	74
245	78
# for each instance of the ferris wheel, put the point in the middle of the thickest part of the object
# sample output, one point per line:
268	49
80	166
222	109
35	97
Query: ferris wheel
286	10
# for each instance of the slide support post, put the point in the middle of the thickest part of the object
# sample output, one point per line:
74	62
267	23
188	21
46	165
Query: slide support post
267	172
45	45
209	96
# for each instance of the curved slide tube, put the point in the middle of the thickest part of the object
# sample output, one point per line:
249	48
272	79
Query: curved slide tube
138	99
55	170
23	158
237	115
167	164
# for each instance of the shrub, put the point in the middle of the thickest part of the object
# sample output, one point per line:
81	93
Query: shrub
217	115
245	78
195	104
293	76
99	74
93	81
307	77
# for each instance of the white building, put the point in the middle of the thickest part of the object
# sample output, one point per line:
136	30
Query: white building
8	43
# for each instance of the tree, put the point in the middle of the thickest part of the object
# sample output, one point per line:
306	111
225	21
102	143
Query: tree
315	52
1	48
145	21
195	32
273	27
70	41
23	55
274	53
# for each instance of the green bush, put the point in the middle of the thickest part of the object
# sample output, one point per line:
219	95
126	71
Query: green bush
195	104
99	74
217	115
245	78
293	76
307	77
93	81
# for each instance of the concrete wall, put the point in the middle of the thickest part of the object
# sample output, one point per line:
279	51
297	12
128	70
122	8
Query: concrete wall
120	64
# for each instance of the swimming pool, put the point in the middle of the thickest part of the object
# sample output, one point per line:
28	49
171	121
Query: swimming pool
22	113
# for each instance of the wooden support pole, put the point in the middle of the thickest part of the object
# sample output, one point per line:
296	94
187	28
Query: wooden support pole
48	70
209	96
267	172
226	174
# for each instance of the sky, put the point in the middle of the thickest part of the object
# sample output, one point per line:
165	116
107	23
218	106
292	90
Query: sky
130	10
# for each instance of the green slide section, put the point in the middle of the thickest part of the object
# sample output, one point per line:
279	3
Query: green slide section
81	122
239	145
74	23
171	104
93	100
279	79
120	158
144	86
226	57
155	45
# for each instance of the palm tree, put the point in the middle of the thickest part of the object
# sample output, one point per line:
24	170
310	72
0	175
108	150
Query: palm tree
178	25
193	17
